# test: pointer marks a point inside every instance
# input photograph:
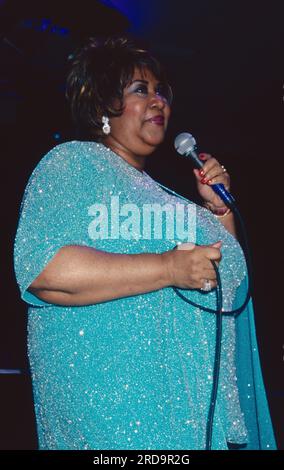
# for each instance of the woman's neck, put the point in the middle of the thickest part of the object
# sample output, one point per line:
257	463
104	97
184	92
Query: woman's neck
137	161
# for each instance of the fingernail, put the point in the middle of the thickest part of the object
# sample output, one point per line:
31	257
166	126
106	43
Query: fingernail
204	181
209	181
201	172
202	156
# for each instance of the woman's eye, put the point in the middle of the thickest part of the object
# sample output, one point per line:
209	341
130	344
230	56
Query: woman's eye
141	89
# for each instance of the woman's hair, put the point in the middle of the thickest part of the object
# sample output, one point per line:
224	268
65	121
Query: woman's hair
99	72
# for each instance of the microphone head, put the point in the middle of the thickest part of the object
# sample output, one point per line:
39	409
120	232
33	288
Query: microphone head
185	143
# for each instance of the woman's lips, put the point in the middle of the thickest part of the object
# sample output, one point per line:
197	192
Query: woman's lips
159	120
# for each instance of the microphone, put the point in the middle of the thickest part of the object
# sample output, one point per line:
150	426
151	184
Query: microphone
185	144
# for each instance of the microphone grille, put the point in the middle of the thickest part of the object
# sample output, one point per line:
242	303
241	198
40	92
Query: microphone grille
184	143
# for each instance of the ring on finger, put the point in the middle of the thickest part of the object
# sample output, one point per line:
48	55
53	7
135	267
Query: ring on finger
207	285
223	169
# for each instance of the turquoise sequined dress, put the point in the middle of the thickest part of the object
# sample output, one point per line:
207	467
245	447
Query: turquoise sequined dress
136	372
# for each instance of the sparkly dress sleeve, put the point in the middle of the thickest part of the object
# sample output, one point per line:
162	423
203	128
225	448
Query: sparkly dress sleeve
51	215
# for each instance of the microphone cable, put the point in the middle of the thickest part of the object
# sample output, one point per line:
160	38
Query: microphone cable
217	360
217	355
219	312
185	145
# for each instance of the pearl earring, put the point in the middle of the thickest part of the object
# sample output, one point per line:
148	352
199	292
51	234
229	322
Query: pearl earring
106	126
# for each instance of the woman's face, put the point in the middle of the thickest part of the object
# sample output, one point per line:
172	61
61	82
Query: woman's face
142	126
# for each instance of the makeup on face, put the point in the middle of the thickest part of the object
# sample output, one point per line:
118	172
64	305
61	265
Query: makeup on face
141	87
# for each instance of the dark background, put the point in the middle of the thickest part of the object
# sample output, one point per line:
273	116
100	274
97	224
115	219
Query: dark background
224	60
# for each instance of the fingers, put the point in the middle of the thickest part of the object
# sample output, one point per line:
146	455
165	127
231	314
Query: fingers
211	251
217	244
186	246
213	254
209	274
192	268
205	271
205	156
213	172
212	282
214	177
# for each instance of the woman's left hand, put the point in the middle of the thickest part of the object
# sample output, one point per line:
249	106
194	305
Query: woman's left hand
212	173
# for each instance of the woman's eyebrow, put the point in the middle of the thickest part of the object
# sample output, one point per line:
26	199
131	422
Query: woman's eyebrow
143	81
140	81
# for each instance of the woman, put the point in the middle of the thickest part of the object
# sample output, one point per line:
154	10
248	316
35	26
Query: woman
118	360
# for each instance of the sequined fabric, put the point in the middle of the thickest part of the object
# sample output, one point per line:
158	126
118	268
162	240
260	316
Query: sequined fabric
131	373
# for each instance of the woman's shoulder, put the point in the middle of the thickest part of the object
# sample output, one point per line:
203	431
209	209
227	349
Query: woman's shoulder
73	150
65	170
72	157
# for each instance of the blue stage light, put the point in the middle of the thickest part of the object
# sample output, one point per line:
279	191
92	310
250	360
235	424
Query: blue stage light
64	31
134	11
45	24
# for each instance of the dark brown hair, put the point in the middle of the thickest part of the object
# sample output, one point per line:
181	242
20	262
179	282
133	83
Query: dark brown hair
99	72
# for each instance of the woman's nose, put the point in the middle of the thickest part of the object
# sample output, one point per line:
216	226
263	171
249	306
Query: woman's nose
157	101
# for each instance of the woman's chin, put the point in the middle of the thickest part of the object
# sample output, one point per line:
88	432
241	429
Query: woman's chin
155	139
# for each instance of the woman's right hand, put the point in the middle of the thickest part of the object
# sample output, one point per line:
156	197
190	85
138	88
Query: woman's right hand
189	265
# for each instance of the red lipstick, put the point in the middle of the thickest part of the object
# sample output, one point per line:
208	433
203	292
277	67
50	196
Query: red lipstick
159	120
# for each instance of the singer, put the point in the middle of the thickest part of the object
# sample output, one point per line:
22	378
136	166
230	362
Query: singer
118	360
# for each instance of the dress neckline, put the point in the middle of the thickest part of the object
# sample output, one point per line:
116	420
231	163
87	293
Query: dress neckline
121	162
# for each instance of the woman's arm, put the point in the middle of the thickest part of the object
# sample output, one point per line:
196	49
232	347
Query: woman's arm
229	223
80	275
